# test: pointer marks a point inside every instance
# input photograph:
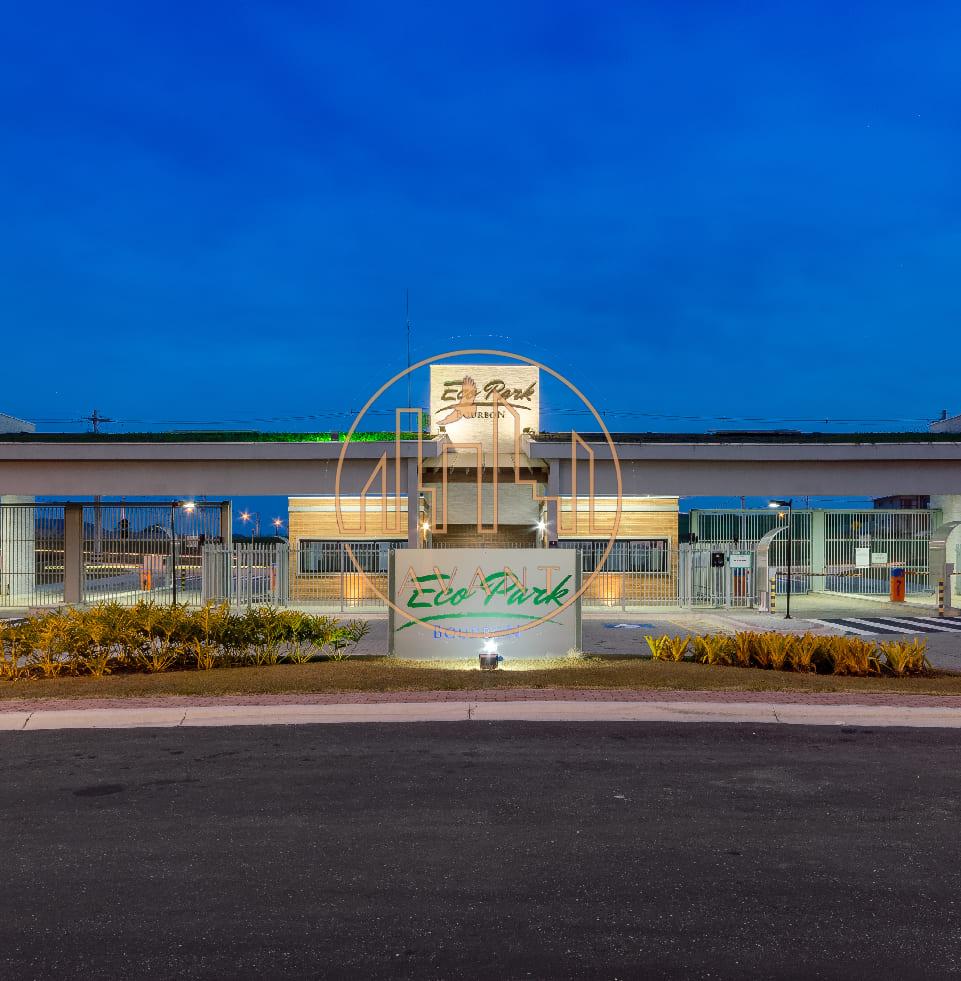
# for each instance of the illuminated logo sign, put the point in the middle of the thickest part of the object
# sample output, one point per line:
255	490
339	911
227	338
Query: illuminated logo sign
465	400
482	420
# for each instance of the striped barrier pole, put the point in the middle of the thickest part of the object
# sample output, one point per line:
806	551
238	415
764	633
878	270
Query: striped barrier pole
773	594
940	597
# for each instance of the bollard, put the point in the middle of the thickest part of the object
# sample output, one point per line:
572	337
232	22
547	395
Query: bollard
773	594
940	597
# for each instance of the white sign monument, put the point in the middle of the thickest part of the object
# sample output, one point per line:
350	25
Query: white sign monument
450	601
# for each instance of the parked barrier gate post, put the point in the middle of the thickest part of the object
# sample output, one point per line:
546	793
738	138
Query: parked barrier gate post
897	585
773	594
940	597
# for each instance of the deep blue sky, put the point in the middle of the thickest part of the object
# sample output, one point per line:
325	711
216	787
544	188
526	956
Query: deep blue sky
211	211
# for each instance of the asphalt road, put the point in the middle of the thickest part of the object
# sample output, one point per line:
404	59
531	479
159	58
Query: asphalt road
469	851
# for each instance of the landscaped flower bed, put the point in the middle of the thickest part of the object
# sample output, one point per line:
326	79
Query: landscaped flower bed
109	638
796	652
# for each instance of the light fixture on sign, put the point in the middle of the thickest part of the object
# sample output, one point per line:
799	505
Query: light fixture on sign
489	658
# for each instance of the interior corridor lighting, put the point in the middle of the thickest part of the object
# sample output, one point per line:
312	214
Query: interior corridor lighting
789	504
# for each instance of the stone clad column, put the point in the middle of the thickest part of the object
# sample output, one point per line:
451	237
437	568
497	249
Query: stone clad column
818	552
73	553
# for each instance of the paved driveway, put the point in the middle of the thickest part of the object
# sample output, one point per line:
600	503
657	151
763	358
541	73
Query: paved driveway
497	850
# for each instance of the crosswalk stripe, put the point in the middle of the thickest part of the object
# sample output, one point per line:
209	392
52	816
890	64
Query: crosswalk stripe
923	623
950	622
878	627
853	630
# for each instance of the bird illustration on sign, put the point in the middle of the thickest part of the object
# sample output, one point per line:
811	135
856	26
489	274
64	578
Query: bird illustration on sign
466	407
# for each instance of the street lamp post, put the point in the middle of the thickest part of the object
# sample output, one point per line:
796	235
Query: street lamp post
789	504
173	552
246	516
188	506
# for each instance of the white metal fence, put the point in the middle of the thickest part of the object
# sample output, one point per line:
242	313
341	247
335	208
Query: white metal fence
834	551
634	575
125	552
31	555
861	548
246	574
160	551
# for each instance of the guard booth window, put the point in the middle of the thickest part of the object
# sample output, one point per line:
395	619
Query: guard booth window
326	557
631	555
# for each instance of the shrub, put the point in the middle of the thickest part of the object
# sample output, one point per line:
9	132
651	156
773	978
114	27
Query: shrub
905	657
300	637
777	648
656	645
350	635
668	648
743	648
851	655
676	647
13	650
109	638
796	652
804	652
713	649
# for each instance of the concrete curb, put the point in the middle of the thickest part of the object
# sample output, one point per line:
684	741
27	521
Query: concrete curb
466	711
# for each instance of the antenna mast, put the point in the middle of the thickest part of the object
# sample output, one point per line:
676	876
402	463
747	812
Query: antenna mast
407	324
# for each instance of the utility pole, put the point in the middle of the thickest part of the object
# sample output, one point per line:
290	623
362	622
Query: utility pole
95	419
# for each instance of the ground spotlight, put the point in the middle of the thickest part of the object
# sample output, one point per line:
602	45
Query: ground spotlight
489	658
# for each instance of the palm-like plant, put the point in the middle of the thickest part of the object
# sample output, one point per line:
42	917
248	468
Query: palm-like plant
745	642
905	657
805	651
656	645
713	649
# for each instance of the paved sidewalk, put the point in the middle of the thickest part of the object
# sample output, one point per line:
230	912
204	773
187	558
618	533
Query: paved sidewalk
531	706
893	699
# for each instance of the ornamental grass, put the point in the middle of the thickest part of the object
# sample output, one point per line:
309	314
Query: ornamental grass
807	653
151	638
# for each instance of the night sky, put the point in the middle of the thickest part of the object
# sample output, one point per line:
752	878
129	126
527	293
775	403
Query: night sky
709	214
